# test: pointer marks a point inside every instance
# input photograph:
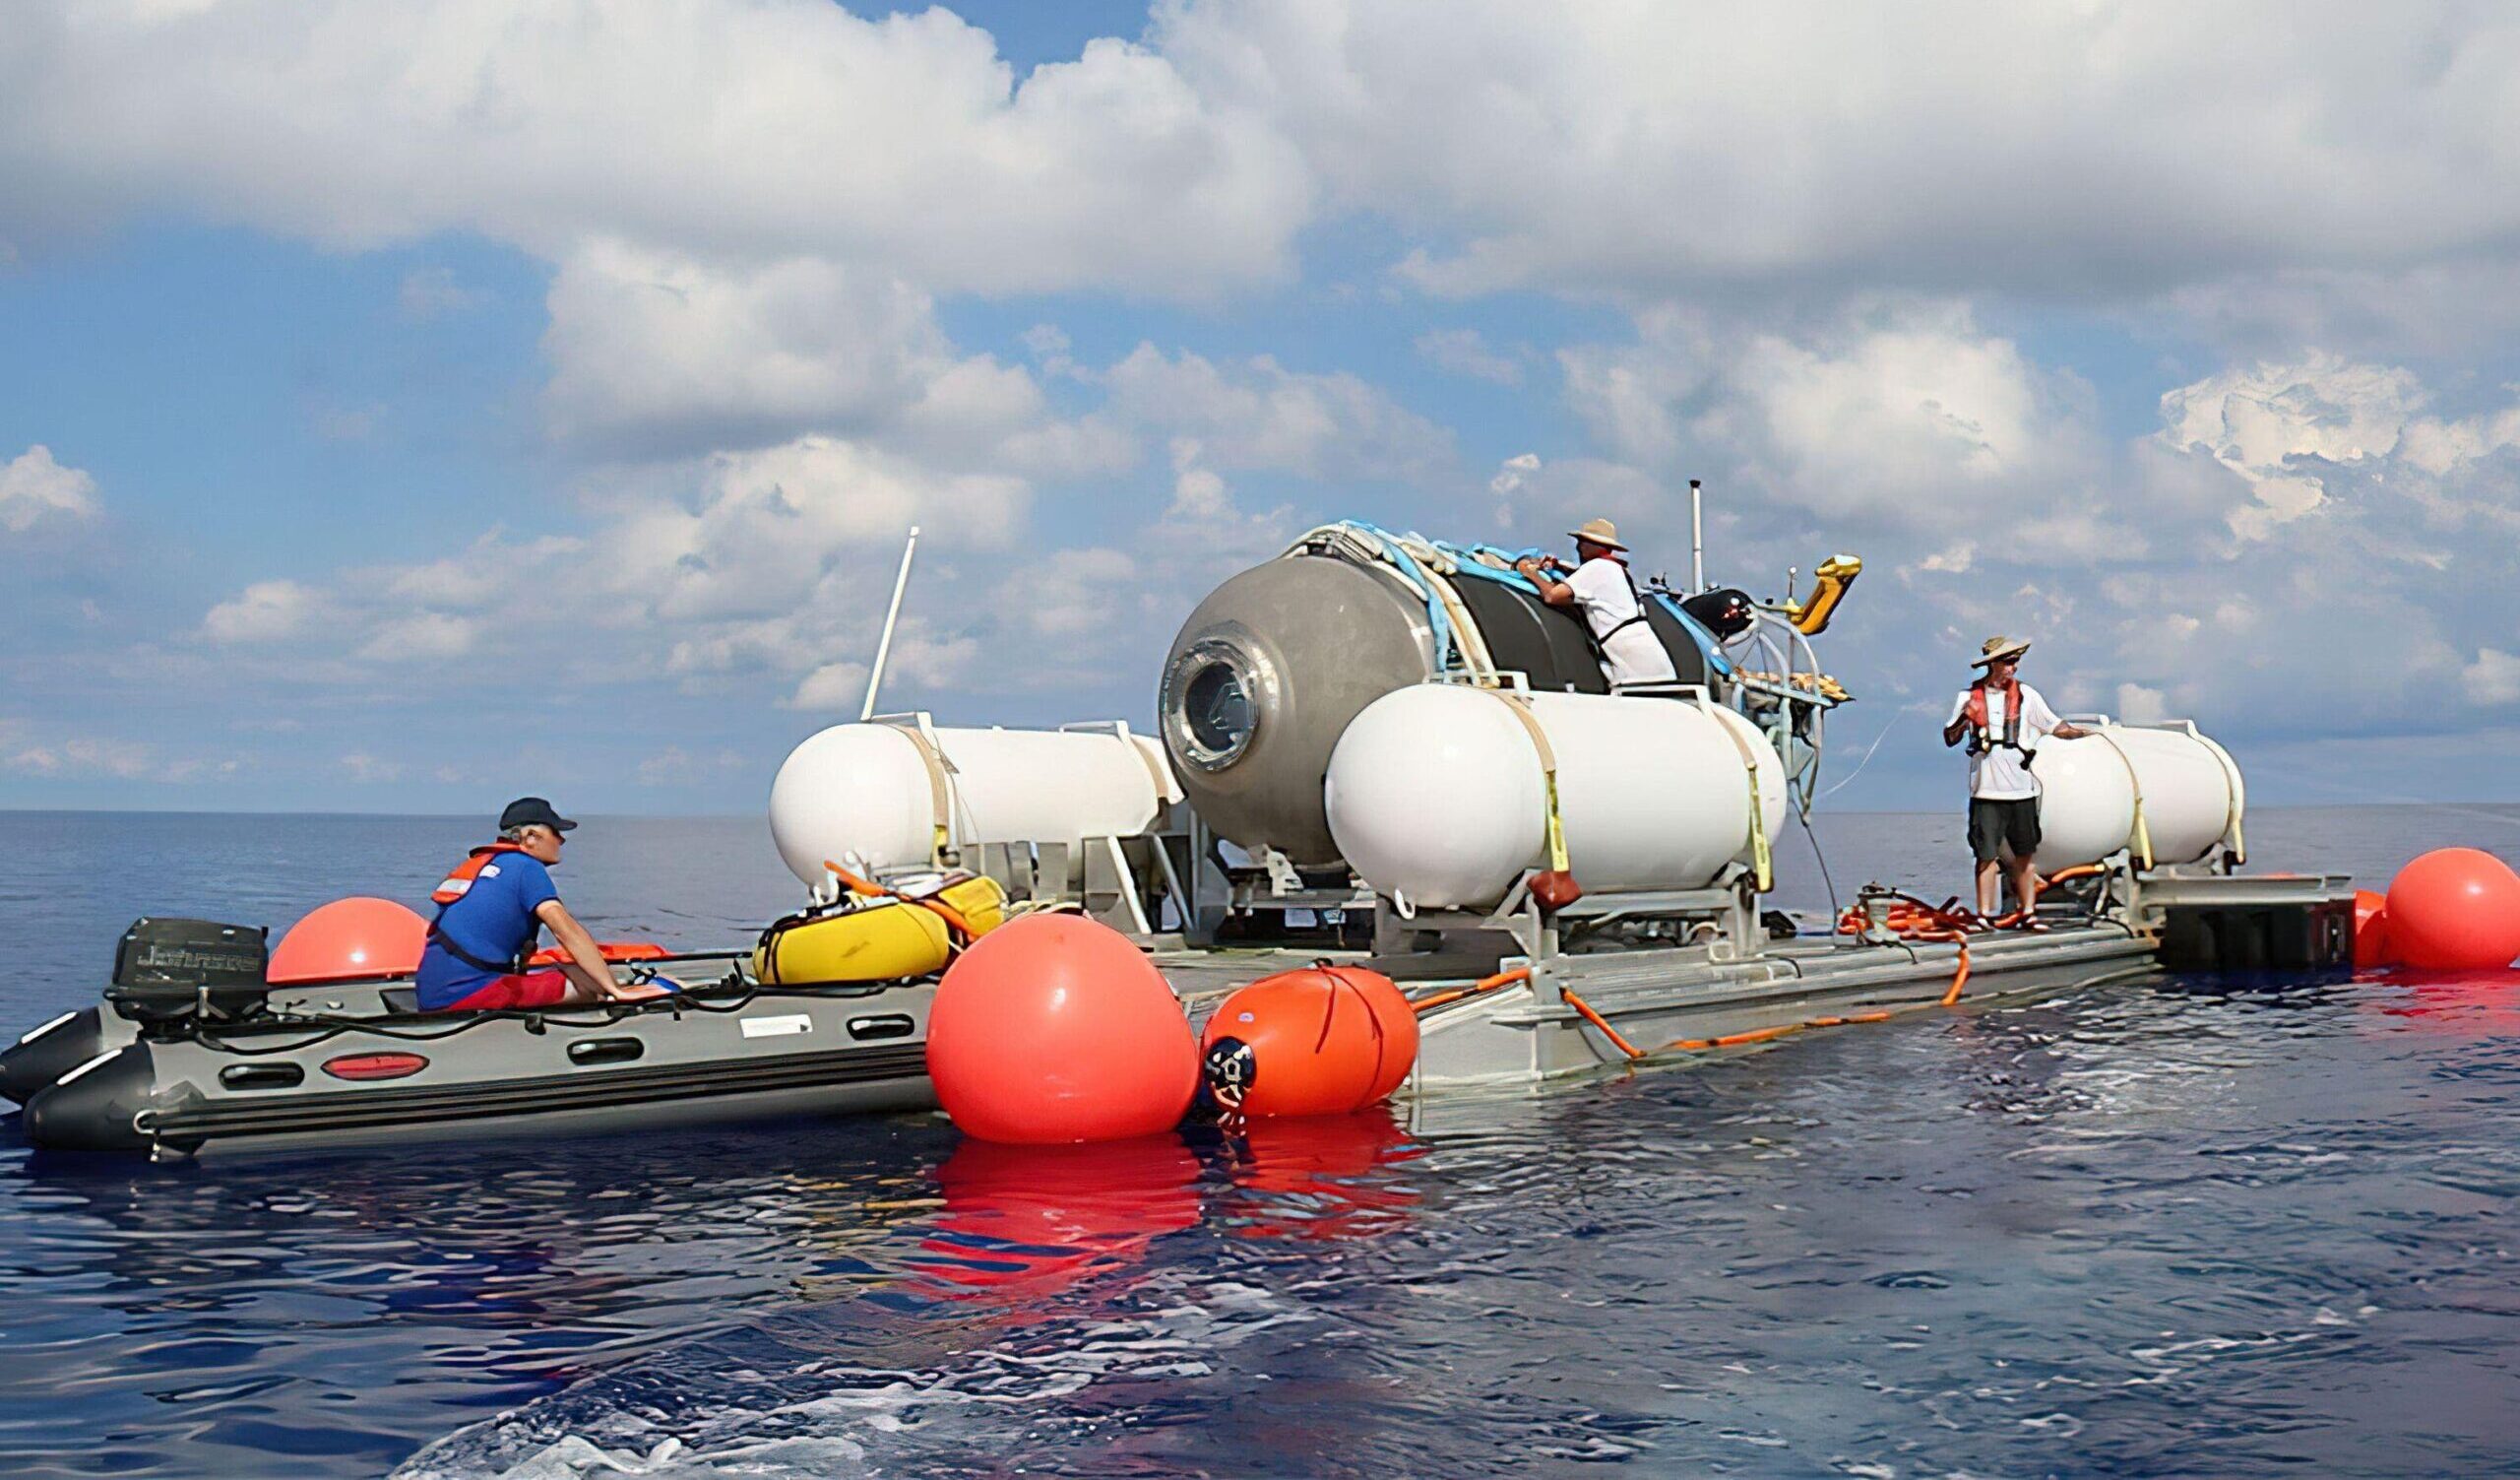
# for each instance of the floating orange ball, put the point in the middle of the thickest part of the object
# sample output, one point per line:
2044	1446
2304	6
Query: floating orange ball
350	939
1056	1028
2372	946
2455	909
1322	1040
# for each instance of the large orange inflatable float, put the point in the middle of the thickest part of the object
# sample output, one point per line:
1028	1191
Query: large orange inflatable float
2455	909
2372	946
1056	1028
1321	1040
359	939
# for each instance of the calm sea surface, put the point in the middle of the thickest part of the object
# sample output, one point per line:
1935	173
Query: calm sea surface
2138	1230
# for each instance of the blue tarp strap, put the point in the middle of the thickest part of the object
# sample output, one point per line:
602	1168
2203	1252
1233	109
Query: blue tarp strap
1389	547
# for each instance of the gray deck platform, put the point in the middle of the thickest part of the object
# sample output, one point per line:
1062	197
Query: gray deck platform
1679	1001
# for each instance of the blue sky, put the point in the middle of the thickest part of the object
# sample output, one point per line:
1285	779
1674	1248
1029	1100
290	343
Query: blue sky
402	410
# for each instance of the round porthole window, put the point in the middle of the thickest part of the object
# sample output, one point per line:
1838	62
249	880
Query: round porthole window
1211	703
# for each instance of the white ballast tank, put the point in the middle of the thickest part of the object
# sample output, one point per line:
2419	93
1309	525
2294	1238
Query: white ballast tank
2190	791
1436	793
876	793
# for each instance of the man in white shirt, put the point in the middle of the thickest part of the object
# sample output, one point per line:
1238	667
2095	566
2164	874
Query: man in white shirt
2003	720
1602	590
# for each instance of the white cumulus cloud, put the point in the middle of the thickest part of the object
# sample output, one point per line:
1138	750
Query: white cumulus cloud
737	129
1648	147
35	489
264	612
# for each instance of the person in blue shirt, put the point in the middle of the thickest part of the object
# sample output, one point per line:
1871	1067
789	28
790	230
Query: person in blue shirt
490	911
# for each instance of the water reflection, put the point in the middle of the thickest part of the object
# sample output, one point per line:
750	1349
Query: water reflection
1315	1178
1028	1221
391	1293
2472	1004
2140	1231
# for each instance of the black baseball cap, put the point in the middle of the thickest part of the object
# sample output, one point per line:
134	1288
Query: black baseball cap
524	811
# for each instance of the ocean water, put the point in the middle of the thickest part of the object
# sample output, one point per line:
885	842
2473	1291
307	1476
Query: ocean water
2160	1229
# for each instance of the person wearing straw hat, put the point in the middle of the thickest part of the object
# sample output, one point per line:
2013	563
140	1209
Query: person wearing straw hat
2002	720
1600	587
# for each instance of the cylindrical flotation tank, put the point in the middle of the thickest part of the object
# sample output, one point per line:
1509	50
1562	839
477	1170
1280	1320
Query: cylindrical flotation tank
1437	798
2189	789
878	793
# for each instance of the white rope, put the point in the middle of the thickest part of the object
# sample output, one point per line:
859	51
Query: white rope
1895	718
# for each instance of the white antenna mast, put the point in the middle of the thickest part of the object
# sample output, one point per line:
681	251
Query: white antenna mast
1697	538
892	614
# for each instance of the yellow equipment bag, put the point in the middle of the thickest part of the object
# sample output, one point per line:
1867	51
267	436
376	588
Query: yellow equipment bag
878	938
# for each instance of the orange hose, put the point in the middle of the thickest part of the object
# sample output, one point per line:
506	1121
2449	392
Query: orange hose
1459	993
952	916
1759	1035
1596	1020
1950	998
1959	978
1911	917
1915	919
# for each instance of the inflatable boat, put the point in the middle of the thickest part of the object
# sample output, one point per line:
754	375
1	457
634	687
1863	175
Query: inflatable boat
213	1061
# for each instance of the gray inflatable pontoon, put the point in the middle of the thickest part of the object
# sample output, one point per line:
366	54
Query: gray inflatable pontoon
358	1065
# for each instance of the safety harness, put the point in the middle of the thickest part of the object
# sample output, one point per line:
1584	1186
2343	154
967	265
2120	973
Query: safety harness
460	884
1984	738
1634	595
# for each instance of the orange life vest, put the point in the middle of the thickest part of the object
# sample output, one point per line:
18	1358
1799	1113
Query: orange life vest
1983	737
460	882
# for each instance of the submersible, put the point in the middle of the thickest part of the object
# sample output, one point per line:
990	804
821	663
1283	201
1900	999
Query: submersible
1270	669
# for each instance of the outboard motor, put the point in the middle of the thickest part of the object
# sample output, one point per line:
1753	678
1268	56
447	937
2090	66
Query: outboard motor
172	972
168	976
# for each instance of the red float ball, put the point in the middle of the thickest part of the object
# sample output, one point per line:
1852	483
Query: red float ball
1056	1028
2455	909
359	939
1321	1040
2372	946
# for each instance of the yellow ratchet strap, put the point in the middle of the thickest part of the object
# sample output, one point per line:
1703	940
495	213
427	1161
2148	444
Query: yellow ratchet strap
1522	709
940	793
1762	857
2134	782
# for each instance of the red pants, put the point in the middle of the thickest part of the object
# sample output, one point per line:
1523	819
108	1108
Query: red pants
533	989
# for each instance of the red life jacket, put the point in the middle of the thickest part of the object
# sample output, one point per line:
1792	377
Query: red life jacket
460	882
1982	738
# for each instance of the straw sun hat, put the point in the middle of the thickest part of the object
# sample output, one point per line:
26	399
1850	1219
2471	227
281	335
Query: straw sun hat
2001	647
1598	531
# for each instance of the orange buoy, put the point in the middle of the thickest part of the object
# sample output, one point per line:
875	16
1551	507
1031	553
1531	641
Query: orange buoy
1321	1040
2372	946
2455	909
349	940
1056	1028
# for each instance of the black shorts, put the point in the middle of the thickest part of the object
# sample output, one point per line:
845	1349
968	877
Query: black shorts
1997	828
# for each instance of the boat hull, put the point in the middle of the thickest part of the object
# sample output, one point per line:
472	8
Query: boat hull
563	1072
